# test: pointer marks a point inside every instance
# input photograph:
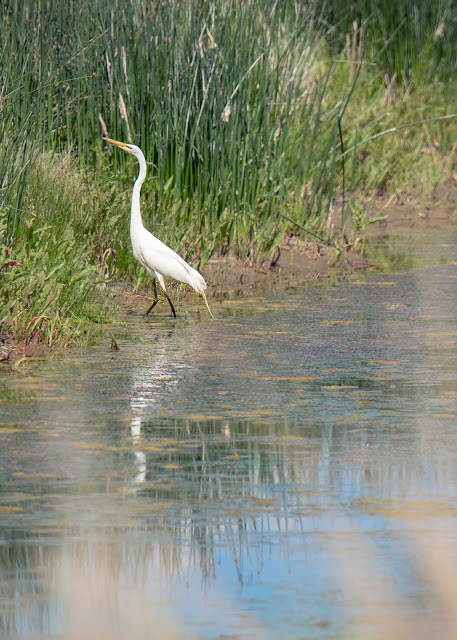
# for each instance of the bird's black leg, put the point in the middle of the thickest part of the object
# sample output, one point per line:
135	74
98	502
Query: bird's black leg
156	299
171	304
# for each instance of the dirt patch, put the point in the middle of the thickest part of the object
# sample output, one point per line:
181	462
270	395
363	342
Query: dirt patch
7	346
11	351
295	261
405	212
298	261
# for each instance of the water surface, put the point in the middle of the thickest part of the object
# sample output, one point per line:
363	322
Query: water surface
288	470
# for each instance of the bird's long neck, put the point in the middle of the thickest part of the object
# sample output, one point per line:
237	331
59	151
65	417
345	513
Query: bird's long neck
135	217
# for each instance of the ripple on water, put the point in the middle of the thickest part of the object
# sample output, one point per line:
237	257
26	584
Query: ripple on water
287	473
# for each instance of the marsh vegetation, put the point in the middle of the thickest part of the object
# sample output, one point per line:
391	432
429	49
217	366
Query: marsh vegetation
253	116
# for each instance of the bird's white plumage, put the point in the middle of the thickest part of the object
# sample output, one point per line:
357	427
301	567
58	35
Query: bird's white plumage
153	254
163	262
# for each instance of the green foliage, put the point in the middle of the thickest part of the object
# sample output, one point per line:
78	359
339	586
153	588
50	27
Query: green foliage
238	107
61	253
413	42
398	142
219	95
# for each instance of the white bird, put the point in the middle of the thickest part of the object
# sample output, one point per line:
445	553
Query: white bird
158	259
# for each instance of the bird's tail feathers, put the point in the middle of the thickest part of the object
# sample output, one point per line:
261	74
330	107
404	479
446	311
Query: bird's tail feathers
198	281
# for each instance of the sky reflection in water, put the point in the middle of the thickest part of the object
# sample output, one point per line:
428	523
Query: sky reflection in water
287	470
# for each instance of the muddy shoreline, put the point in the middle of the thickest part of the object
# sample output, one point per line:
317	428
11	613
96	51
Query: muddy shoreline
296	261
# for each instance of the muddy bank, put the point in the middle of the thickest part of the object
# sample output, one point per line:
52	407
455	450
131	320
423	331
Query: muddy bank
404	212
298	261
295	262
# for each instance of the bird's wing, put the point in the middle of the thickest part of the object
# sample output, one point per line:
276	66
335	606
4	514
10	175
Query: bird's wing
156	255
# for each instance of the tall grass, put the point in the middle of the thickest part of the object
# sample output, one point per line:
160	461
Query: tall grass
225	98
238	106
49	269
411	42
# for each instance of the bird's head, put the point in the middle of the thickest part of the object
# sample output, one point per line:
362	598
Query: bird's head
130	148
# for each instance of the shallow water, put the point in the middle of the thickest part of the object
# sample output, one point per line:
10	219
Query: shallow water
288	470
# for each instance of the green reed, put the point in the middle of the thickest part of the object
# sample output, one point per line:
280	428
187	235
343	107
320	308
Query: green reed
238	107
412	42
219	95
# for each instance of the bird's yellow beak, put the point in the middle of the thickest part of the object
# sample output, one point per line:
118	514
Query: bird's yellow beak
122	145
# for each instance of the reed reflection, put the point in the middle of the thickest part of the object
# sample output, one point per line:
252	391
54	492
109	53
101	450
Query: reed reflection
238	488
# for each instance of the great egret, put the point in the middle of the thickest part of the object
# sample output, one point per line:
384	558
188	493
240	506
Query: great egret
158	259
